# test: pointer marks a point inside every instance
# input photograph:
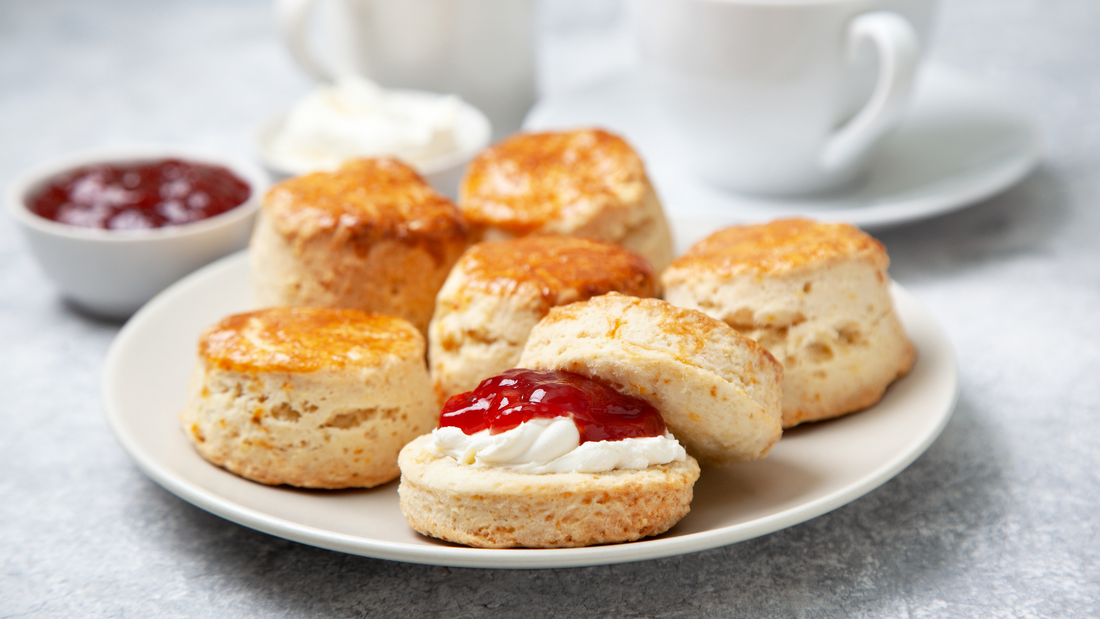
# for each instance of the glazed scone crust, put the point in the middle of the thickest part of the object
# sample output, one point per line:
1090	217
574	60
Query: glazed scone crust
364	201
309	397
816	296
717	391
493	508
782	247
372	236
558	269
306	340
586	183
498	291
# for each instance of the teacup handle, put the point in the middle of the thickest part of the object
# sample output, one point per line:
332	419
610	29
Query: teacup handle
293	16
898	56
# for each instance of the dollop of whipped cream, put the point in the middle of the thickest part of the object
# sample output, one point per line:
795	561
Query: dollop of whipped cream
553	446
355	117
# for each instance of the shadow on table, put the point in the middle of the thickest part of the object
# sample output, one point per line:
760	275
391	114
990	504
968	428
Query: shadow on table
1014	223
92	317
919	532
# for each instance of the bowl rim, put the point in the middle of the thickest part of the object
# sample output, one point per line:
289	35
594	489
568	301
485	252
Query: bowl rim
31	179
468	115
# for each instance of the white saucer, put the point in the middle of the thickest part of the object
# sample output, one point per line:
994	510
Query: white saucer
960	143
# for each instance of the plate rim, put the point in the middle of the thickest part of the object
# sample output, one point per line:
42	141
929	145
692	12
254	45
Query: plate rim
515	558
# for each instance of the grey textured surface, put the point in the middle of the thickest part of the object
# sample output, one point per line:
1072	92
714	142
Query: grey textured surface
1000	518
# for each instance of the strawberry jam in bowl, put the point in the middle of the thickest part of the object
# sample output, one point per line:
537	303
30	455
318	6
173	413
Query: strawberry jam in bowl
139	195
549	421
112	228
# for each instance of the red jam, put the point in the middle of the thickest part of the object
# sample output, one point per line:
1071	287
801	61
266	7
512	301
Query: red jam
503	402
135	196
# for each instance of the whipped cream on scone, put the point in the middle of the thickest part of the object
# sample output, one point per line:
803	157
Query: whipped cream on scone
553	422
553	446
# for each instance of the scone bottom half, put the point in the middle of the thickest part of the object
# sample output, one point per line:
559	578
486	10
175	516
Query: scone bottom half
498	506
489	508
309	397
816	295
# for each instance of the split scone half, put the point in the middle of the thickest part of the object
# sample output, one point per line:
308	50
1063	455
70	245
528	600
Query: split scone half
498	508
309	397
498	291
718	391
372	236
544	459
585	183
817	296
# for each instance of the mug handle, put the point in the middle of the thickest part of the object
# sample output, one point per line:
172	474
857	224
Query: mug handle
293	17
898	55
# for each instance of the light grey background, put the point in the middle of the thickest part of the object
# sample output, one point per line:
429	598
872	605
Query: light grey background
998	519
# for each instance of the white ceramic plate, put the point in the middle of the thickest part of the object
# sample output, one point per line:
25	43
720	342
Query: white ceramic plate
811	471
960	143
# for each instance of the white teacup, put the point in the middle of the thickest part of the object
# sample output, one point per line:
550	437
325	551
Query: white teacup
781	97
481	50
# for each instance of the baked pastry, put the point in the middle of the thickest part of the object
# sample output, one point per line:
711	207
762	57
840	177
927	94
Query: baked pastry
717	391
586	183
310	397
372	236
492	508
499	290
586	466
817	296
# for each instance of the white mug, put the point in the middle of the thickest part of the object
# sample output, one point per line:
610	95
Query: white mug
781	97
481	50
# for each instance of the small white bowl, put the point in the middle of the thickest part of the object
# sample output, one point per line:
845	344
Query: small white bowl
114	272
472	133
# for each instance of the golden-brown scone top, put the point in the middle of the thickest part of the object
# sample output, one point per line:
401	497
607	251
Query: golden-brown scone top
537	182
781	246
561	269
307	339
369	200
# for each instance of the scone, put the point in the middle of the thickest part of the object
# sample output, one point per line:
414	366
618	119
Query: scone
545	460
491	508
586	183
817	296
310	397
372	236
499	290
717	390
